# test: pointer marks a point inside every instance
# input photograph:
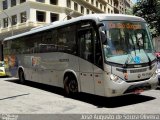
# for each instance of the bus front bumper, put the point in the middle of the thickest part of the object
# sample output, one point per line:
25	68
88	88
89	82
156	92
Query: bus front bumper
131	87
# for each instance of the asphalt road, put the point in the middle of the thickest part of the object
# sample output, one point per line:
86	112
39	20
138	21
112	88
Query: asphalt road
33	98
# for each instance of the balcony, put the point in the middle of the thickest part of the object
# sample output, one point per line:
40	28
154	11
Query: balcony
116	6
116	3
127	3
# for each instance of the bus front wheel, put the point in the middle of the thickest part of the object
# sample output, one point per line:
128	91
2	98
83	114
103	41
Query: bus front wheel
21	76
70	85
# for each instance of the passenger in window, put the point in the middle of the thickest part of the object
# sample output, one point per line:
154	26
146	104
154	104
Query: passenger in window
140	39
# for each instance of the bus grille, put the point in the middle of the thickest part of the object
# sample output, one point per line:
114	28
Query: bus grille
138	70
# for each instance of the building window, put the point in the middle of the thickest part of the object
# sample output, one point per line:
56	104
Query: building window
14	19
69	3
40	1
41	16
96	3
108	10
101	6
104	8
22	1
75	6
82	9
53	2
5	5
54	17
92	2
87	11
23	17
5	22
13	3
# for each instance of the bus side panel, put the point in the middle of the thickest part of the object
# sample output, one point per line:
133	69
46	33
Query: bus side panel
48	68
86	76
99	81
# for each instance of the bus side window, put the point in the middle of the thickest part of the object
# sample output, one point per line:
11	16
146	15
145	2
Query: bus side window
98	51
86	46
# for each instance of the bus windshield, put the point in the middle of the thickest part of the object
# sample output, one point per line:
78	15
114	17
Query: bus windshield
126	41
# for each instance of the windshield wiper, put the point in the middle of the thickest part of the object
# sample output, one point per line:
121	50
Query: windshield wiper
149	60
129	54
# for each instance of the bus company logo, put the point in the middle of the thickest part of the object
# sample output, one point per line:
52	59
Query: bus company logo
139	76
137	59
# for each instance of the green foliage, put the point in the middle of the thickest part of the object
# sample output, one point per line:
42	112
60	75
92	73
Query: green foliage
129	11
150	11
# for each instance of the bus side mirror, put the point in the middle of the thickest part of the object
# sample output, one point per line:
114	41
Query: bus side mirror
103	37
100	25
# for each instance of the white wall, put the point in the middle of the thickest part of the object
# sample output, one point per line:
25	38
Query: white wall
62	3
32	15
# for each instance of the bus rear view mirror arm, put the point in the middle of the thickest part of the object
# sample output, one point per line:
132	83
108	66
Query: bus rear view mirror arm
100	25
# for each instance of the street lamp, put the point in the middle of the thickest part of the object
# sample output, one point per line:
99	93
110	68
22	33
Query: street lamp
8	17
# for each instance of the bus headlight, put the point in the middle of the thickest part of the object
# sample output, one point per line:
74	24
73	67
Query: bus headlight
116	79
155	73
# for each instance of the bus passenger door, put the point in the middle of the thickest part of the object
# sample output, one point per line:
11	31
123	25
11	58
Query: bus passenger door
86	60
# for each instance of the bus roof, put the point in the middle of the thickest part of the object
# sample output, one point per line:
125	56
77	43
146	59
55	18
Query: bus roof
96	17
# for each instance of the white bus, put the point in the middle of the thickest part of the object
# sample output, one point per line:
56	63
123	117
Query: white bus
105	55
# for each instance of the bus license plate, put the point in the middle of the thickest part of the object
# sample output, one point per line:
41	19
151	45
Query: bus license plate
138	91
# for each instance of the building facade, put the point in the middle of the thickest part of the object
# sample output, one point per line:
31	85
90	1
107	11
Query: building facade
121	6
18	16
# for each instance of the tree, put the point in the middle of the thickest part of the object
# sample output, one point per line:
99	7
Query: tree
129	11
150	11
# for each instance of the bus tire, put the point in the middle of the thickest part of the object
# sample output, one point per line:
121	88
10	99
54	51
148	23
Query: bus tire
70	85
21	76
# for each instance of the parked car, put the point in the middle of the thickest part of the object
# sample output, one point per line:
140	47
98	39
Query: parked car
2	69
158	55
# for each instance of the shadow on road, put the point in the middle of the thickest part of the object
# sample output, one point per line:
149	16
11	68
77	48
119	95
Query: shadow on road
98	101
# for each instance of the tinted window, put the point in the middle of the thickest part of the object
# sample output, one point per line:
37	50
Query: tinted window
67	40
86	46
